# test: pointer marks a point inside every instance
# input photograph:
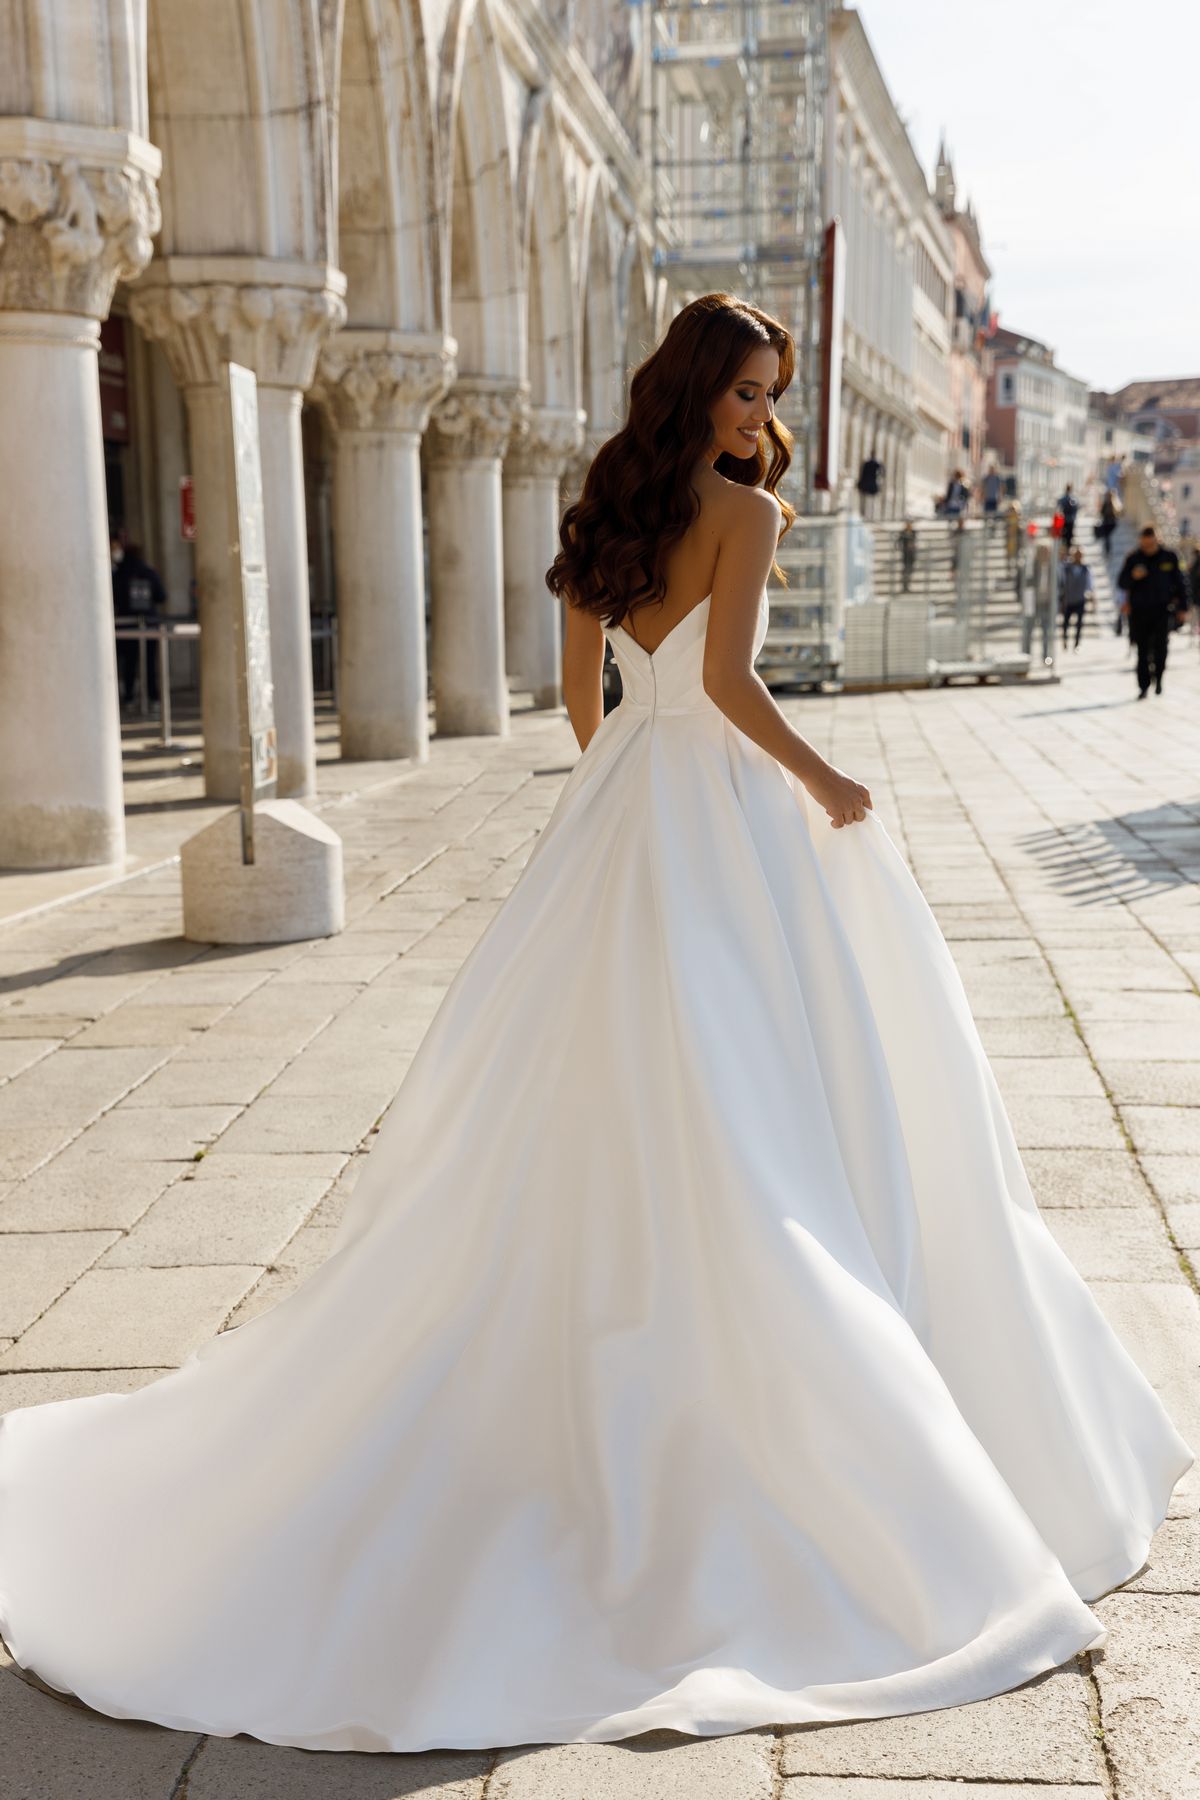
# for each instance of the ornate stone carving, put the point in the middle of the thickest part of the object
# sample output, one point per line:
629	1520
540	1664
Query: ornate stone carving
383	380
544	442
70	232
275	330
475	421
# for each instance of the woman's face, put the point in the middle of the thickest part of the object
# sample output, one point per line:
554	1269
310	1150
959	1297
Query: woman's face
739	414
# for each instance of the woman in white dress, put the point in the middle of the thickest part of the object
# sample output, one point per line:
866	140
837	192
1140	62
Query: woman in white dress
692	1352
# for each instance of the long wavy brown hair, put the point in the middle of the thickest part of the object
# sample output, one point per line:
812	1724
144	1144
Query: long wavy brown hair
637	499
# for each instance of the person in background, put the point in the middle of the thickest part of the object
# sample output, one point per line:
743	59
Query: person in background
1156	600
1012	529
1074	592
138	593
1107	524
870	485
1068	506
957	494
993	487
908	555
1114	475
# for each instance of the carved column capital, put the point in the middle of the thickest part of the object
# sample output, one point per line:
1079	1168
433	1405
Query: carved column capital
475	420
383	380
269	316
78	210
544	442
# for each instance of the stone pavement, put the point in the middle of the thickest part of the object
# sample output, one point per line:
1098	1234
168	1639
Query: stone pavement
179	1128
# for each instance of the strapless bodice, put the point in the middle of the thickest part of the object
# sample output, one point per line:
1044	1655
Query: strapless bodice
670	678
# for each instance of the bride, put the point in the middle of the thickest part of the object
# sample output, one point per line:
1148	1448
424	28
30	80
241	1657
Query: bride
692	1352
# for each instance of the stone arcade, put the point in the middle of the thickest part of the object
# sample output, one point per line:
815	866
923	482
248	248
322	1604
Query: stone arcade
423	225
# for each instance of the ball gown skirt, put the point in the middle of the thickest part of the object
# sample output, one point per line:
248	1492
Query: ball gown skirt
691	1352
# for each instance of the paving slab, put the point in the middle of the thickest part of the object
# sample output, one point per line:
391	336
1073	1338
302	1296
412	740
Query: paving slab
1042	1731
654	1765
134	1023
1107	1243
1148	1679
122	1318
200	1222
1086	1178
17	1053
1164	1130
235	1081
305	1123
38	1267
33	1387
74	1086
1058	1122
157	1132
1059	1076
241	1769
853	1787
85	1191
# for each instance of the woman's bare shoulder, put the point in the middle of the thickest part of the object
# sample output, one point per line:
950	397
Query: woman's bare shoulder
746	510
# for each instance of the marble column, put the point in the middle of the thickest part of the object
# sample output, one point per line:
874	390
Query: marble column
78	210
465	443
271	316
377	388
538	454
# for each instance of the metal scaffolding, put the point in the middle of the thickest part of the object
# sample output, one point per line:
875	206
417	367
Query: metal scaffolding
736	100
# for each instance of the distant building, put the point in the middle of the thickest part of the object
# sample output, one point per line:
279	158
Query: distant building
1110	434
969	352
1037	419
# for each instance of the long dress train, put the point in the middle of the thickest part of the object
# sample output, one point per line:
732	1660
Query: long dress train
691	1352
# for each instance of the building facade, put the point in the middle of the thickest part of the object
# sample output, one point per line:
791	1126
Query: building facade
423	225
1037	420
972	323
898	289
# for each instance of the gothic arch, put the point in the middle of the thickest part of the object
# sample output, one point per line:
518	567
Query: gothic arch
547	262
482	276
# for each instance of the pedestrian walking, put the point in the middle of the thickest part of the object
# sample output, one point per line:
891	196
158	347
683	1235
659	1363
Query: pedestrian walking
138	595
1107	524
871	477
1068	507
1156	601
908	555
1114	475
1074	592
1012	529
993	488
954	501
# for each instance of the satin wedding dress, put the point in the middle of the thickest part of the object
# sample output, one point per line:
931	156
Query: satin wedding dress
691	1352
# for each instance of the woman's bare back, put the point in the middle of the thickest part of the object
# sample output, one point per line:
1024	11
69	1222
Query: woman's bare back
691	563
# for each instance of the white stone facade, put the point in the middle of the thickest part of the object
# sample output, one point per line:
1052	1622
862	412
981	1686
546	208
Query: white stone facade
424	225
899	285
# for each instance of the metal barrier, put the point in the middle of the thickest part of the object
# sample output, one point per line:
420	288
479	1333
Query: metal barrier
164	632
161	632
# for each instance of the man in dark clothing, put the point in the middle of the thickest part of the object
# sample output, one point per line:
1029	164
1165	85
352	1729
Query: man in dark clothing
1156	598
1074	590
1068	506
908	554
870	484
138	594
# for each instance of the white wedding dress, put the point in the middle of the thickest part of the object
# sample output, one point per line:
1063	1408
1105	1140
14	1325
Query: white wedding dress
691	1354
